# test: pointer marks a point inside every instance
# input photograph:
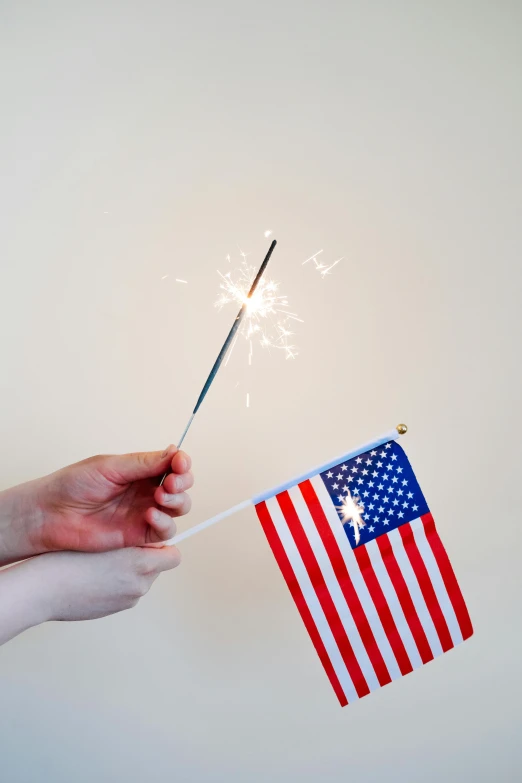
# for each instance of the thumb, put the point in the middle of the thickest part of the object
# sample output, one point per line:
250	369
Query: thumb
124	468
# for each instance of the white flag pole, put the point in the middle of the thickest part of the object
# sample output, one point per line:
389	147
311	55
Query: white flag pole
400	429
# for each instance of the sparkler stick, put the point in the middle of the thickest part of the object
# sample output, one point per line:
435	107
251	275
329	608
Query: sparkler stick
226	345
400	429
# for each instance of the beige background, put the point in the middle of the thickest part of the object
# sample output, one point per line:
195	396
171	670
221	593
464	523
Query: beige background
141	139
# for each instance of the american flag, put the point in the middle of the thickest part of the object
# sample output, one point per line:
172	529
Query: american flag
358	549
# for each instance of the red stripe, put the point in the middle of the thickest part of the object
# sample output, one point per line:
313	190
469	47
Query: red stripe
448	576
403	594
426	586
323	593
345	583
299	599
383	610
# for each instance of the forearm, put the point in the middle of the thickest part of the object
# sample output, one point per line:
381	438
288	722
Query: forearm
22	600
19	523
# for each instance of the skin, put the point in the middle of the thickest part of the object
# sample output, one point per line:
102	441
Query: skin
88	531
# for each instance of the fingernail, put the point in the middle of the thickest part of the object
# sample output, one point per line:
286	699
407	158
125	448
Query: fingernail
156	515
166	451
184	464
176	499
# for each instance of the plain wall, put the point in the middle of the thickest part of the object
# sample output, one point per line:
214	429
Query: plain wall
144	139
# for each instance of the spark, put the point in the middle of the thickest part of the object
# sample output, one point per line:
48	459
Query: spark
328	268
164	277
351	509
267	233
313	258
248	400
180	281
267	317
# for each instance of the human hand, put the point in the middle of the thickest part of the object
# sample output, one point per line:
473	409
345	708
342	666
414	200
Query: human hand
77	586
102	503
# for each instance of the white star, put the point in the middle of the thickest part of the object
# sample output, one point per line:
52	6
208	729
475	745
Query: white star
405	504
349	479
379	464
395	502
399	469
394	457
390	488
360	481
368	461
388	445
376	496
386	500
373	453
404	482
371	529
391	511
384	476
370	483
365	472
414	508
358	460
340	498
381	486
376	519
355	470
344	467
370	506
329	474
400	492
383	453
375	474
395	479
400	515
389	466
345	488
409	495
386	522
365	493
380	509
335	486
339	476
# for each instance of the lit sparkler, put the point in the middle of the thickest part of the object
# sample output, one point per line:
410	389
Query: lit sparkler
352	509
267	317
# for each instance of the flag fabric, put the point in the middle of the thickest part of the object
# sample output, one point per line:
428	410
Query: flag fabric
358	549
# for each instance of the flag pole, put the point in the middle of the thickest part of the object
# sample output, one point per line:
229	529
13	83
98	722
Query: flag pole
400	429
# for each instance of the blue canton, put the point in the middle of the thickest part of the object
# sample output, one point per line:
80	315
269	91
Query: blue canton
383	485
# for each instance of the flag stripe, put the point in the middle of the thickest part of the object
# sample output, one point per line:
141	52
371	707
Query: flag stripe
426	586
386	585
305	600
383	609
448	576
436	580
323	593
403	594
332	581
356	577
415	592
340	573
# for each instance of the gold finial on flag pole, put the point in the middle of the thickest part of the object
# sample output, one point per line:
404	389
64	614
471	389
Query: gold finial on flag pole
402	429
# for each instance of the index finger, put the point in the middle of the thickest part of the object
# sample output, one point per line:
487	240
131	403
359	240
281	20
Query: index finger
181	462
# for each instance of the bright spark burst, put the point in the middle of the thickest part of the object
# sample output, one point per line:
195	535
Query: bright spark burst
352	509
267	319
268	233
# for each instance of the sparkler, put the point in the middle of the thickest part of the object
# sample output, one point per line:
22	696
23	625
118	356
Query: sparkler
267	317
245	303
352	510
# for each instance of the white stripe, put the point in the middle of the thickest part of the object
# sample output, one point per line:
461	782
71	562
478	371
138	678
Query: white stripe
394	604
334	588
354	572
437	581
412	584
311	599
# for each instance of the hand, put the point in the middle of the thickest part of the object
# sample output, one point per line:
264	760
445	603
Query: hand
77	586
102	503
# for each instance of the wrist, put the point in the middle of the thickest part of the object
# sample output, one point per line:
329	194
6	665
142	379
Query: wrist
24	601
21	523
